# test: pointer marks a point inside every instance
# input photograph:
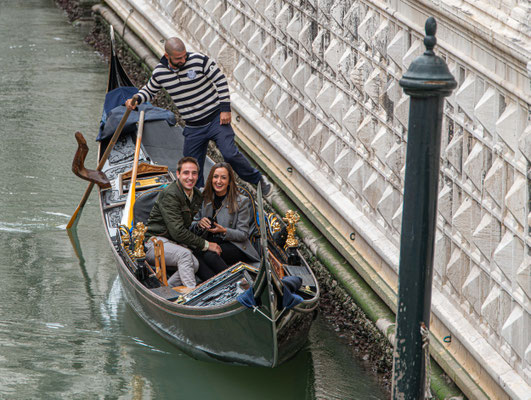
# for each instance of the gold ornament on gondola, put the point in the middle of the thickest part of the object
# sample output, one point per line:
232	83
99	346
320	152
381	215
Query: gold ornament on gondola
138	238
291	218
124	234
274	223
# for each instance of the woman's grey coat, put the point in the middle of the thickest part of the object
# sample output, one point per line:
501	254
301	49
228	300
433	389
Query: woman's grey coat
237	224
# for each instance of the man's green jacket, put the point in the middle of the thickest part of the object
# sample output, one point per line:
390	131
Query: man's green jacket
172	216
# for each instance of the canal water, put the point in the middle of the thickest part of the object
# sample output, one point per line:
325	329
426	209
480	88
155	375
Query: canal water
66	331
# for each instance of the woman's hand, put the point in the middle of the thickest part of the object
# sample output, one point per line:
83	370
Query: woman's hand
204	223
217	229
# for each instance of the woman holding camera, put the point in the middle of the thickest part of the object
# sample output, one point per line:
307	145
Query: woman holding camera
224	218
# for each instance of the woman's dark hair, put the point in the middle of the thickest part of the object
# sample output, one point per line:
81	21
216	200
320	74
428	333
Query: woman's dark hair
232	191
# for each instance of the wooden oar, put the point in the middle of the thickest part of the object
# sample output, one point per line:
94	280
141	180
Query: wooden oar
103	159
127	218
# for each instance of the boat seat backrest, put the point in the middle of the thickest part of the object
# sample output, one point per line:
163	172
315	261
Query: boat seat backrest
144	203
254	231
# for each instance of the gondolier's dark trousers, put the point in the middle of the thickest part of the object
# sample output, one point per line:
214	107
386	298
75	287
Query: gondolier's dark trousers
196	142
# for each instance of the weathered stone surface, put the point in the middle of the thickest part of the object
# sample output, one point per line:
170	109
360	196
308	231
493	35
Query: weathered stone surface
454	152
306	127
227	18
328	152
241	70
381	37
277	59
352	119
496	308
373	84
397	48
444	203
282	19
457	269
326	96
494	181
475	288
344	162
236	25
251	79
402	110
306	37
288	67
368	27
313	87
396	158
466	96
473	166
283	106
262	87
252	37
514	330
357	176
333	54
415	50
337	108
487	235
523	276
510	126
382	143
294	116
388	203
487	110
466	218
441	254
272	97
373	189
367	130
524	143
317	138
509	254
294	26
515	200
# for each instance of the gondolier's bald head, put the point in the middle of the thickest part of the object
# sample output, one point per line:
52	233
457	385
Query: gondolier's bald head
175	52
174	44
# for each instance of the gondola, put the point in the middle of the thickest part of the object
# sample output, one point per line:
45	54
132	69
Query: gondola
248	314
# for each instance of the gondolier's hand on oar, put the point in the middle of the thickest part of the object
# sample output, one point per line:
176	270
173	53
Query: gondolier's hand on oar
214	247
130	104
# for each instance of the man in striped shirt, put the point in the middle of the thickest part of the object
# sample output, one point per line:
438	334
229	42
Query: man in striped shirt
201	94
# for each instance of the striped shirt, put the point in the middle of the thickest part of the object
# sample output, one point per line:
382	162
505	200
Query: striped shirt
199	89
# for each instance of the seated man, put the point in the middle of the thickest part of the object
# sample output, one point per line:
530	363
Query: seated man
169	221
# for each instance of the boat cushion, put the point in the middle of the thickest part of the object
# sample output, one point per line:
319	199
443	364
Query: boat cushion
144	203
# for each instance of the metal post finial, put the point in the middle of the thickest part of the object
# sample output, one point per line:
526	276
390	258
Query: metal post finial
430	40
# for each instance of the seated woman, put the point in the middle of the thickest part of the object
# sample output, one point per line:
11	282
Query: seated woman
224	218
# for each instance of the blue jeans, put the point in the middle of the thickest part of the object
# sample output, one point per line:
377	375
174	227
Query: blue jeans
196	142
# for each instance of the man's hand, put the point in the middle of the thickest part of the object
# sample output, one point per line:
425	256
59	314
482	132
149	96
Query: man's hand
129	104
214	247
225	117
218	229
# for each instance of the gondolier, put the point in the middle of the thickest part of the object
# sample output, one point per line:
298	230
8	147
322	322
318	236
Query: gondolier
201	94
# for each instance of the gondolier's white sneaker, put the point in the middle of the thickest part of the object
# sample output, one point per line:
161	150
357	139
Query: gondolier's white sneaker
265	186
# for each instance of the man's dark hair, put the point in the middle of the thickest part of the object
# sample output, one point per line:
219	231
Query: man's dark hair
186	160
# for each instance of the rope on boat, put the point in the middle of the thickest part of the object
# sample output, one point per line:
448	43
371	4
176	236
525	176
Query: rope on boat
255	308
425	334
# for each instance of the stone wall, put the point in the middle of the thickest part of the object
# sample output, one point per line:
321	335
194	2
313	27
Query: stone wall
325	74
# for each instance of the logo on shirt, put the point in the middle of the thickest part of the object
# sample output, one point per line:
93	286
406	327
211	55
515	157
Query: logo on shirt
191	74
